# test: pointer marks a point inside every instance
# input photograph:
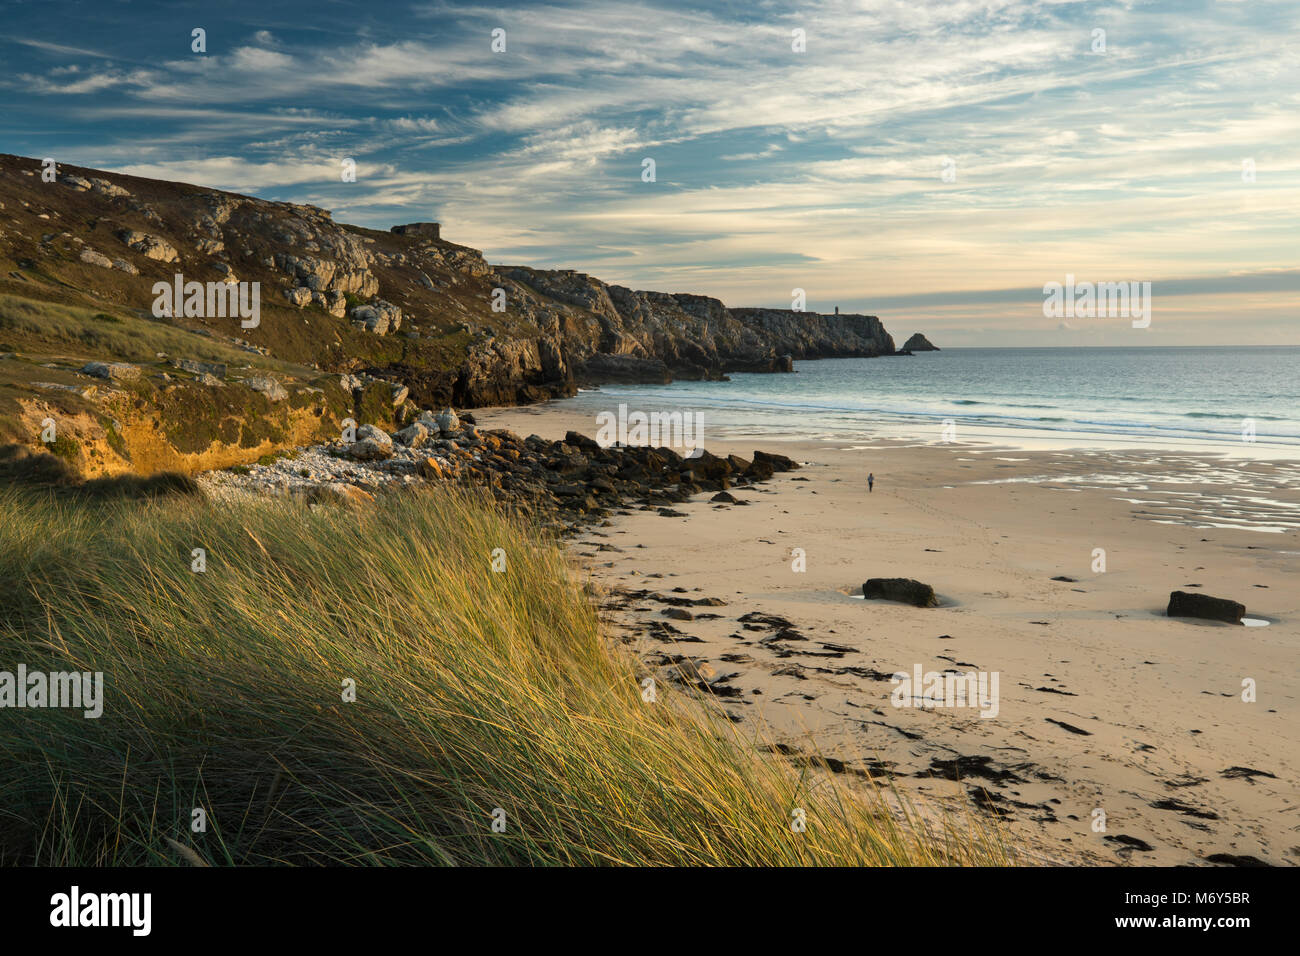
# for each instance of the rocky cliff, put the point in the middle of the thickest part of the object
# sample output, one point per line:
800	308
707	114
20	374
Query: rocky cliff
348	318
611	332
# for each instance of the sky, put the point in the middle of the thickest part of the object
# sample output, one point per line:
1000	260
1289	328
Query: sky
933	162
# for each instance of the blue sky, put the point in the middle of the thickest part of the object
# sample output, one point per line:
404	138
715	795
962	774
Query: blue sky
775	169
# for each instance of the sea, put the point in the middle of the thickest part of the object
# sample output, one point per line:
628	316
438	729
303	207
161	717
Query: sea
1206	437
1234	401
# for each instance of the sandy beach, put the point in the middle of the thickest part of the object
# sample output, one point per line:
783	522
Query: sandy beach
1104	705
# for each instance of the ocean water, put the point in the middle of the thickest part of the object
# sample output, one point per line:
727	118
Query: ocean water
1175	398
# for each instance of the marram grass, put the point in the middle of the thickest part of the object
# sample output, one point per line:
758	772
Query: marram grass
476	691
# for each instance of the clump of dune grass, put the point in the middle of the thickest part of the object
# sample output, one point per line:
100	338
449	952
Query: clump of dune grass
477	693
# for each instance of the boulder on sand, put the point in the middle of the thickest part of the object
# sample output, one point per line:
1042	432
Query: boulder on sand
778	462
904	590
1190	604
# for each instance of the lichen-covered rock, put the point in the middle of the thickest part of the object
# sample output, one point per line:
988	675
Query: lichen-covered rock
91	257
335	303
379	317
359	282
195	367
151	247
268	386
106	188
312	272
116	371
298	295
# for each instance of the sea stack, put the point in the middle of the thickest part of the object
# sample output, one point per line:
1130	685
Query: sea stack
918	343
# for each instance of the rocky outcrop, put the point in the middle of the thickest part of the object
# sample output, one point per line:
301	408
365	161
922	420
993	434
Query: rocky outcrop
625	369
299	296
117	371
567	483
91	257
273	390
151	247
495	372
918	343
379	317
372	444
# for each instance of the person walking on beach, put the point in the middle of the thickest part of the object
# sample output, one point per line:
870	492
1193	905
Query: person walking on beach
871	481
